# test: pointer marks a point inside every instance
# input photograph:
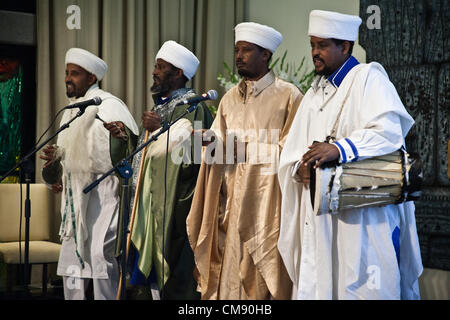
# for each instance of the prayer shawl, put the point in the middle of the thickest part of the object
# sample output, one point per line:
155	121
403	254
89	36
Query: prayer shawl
85	151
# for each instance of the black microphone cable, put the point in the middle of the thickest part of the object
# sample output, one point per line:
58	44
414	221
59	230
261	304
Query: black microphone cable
20	183
51	124
56	116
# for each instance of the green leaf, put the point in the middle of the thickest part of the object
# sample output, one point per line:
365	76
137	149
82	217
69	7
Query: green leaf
274	63
282	60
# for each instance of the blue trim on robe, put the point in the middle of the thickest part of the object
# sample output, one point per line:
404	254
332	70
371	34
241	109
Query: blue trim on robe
138	278
344	156
355	151
160	100
396	242
338	76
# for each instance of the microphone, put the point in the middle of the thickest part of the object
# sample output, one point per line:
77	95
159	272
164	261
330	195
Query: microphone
210	95
84	104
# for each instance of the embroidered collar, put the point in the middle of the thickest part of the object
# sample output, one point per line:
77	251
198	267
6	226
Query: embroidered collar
258	86
165	107
338	76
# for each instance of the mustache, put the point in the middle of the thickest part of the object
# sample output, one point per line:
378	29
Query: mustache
71	83
316	57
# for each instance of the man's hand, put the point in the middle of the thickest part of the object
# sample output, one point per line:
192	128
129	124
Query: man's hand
49	155
57	187
320	153
202	132
151	121
304	174
117	129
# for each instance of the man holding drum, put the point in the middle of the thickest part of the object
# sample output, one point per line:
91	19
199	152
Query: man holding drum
352	112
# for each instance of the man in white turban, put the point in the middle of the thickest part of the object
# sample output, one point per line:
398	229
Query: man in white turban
163	190
234	221
352	112
82	154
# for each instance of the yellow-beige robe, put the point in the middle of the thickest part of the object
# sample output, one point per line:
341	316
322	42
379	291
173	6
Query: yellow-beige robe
234	221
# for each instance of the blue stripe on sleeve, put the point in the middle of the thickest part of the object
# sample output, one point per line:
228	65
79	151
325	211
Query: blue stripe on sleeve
344	156
355	151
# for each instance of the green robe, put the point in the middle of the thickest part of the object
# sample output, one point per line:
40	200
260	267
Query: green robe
120	149
147	234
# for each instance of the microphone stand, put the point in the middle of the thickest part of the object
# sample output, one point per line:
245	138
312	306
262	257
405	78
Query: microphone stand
125	170
25	168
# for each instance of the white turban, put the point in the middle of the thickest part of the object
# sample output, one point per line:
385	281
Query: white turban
88	61
328	24
263	36
179	56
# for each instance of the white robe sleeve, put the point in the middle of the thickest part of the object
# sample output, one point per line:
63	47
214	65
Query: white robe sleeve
114	109
385	122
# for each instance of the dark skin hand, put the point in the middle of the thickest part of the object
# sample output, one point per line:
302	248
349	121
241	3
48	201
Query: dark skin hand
304	174
57	187
318	154
206	142
117	129
49	156
202	132
151	121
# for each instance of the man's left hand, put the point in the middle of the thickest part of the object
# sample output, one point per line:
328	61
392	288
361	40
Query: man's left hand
117	129
320	153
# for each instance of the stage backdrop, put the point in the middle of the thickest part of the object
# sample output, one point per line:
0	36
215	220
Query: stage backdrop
127	35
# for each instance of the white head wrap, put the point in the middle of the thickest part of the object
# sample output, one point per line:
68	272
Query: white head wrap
328	24
179	56
263	36
88	61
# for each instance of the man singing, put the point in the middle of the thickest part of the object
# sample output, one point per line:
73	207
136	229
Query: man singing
83	154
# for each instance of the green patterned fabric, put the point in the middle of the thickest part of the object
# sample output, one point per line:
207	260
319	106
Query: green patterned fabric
10	119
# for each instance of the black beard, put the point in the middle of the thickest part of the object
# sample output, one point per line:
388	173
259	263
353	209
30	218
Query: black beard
325	72
161	88
246	74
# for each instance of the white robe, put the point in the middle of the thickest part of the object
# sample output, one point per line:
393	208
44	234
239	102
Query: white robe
348	255
85	147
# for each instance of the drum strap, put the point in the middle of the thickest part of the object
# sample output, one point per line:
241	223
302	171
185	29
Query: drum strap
332	137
